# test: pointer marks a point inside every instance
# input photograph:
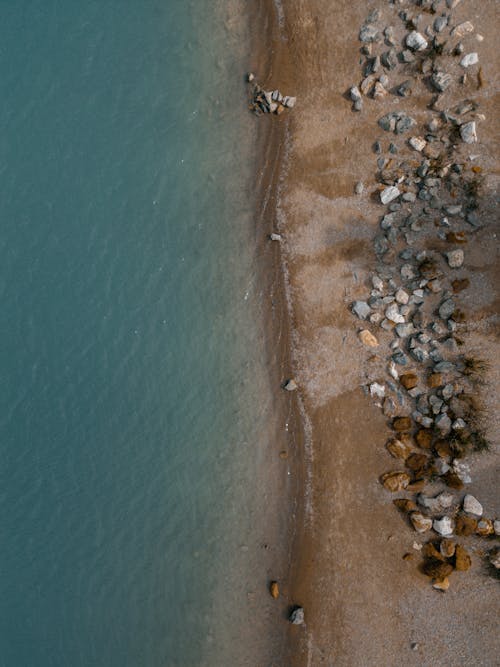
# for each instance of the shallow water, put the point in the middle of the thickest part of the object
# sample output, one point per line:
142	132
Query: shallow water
135	403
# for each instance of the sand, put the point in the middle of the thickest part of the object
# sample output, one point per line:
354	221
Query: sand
364	604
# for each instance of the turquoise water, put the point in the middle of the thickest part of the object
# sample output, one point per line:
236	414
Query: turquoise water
135	403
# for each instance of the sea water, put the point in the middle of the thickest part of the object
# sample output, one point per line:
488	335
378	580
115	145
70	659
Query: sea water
135	400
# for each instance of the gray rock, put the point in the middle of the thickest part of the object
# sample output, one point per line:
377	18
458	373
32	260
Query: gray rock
407	56
380	244
468	132
408	272
415	41
469	59
276	237
297	616
472	505
462	470
361	309
440	23
443	423
446	309
405	330
368	34
409	197
359	188
444	367
436	404
455	258
396	121
447	392
400	358
439	503
441	80
390	59
402	296
289	102
392	313
419	354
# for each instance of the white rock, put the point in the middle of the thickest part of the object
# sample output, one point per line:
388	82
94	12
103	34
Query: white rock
393	370
297	616
359	188
291	385
462	470
417	143
439	503
389	194
289	102
444	526
402	296
355	94
276	237
250	77
361	309
455	258
458	424
441	466
392	313
462	29
377	283
469	59
472	505
377	390
416	41
420	522
468	132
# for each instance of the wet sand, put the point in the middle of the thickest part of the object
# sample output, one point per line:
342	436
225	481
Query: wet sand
364	604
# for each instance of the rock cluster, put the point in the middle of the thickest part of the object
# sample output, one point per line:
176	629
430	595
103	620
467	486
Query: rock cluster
268	101
431	194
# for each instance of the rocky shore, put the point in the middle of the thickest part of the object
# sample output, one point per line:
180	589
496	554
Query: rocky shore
387	235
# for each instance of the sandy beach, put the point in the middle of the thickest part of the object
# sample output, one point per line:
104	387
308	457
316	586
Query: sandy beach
364	603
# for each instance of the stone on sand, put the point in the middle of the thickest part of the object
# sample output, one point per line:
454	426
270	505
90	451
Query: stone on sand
472	505
395	481
367	338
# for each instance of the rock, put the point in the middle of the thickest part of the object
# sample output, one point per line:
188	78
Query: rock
462	559
447	548
367	84
377	390
276	237
443	423
409	380
392	313
396	121
401	424
390	59
407	272
398	449
465	525
289	102
458	424
379	91
400	358
441	80
417	143
439	503
405	330
359	188
444	367
420	522
274	590
469	59
441	584
496	527
417	463
485	527
463	29
462	470
468	132
389	194
452	480
407	56
402	297
362	309
455	258
291	385
395	481
435	380
297	616
368	34
444	526
415	41
424	438
495	559
446	309
437	569
440	23
367	338
405	505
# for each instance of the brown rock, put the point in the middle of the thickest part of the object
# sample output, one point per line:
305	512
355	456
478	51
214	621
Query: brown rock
447	548
408	556
367	338
274	589
283	455
398	449
395	481
420	522
429	552
456	237
462	559
453	480
435	380
417	462
401	424
465	525
405	505
485	527
423	438
441	584
409	380
437	569
442	448
417	486
460	284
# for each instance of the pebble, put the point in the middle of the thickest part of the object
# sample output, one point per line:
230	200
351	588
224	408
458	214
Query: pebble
359	188
361	309
469	59
275	237
367	338
416	41
291	385
368	34
389	194
441	80
463	29
472	506
455	258
417	143
405	330
444	526
443	423
446	309
297	616
468	132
